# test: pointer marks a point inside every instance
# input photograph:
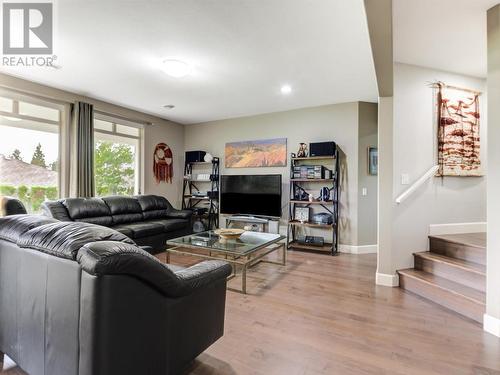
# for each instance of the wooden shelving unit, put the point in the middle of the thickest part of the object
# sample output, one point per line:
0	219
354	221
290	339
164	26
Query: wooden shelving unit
211	200
311	225
313	202
315	158
330	206
326	248
312	180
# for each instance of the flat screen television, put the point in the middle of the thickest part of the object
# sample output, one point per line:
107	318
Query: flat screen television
258	195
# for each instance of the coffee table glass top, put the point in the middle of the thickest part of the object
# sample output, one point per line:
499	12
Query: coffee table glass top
246	243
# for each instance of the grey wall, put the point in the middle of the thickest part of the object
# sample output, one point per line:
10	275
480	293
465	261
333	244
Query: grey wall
367	205
351	125
440	200
493	245
337	122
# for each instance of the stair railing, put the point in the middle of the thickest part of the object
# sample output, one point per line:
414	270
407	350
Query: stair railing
431	172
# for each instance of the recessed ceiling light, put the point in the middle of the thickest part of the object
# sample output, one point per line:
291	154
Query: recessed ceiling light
286	89
169	106
176	68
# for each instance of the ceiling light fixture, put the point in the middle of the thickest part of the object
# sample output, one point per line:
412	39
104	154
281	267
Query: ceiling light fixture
176	68
169	106
286	89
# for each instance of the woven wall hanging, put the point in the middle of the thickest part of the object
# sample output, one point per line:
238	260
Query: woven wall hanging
163	163
458	131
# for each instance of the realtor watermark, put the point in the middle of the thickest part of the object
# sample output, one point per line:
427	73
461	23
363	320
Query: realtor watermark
28	34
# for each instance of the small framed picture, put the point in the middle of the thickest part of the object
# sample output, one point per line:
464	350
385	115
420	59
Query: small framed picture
302	214
372	161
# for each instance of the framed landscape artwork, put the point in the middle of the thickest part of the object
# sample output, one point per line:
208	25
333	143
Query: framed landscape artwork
259	153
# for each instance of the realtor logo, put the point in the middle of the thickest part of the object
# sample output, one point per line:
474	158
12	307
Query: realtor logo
27	28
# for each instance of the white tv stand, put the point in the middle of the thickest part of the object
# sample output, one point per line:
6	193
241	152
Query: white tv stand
268	225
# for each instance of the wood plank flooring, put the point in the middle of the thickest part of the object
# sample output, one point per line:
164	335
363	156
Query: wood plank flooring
325	315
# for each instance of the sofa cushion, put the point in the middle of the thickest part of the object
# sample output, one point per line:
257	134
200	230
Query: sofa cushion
139	230
89	210
153	202
122	205
124	229
170	225
127	218
64	239
124	209
56	209
105	221
154	206
12	227
154	214
180	214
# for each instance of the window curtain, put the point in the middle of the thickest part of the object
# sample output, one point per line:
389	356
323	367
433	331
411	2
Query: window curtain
82	129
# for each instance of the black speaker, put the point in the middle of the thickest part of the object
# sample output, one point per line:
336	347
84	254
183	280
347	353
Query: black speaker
194	156
322	149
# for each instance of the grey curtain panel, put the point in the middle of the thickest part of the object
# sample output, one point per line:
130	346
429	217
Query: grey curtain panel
83	127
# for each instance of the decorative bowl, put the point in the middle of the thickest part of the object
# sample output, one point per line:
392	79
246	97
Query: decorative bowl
229	233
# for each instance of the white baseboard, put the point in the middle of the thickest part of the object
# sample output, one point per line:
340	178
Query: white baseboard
491	325
353	249
455	228
387	280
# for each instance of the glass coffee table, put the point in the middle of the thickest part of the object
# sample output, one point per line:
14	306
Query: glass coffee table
244	252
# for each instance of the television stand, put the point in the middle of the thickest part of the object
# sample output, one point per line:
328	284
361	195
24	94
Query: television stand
259	224
248	219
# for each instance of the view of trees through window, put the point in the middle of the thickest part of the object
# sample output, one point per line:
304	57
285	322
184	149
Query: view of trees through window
116	157
29	152
114	168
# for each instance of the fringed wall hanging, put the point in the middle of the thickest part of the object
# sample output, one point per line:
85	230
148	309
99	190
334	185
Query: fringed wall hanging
163	163
458	121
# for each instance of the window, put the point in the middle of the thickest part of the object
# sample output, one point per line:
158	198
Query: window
29	149
117	156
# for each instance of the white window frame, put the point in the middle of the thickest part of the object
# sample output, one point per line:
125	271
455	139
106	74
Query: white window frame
17	97
138	140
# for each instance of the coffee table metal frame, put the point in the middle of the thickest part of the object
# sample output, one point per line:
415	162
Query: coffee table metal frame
245	261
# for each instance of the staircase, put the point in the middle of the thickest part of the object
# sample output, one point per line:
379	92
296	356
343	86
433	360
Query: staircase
452	274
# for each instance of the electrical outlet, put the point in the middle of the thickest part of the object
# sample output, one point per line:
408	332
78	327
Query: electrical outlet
364	192
405	179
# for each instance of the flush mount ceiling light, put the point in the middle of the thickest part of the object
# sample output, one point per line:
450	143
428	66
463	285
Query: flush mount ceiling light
176	68
286	89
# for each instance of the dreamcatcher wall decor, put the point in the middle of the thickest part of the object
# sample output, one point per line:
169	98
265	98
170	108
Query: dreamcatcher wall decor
163	163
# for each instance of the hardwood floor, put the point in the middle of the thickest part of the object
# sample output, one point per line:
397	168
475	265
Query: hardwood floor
325	315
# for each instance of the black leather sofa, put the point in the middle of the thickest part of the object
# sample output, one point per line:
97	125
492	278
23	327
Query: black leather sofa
11	206
83	299
149	220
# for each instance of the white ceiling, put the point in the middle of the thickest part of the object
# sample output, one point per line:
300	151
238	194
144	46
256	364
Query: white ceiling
242	52
447	35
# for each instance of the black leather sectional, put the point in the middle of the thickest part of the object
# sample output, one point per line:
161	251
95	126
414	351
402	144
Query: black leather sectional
149	220
83	299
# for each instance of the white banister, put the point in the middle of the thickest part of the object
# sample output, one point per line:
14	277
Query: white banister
431	172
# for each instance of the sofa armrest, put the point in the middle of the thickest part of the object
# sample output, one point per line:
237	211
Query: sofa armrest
203	273
180	214
118	258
